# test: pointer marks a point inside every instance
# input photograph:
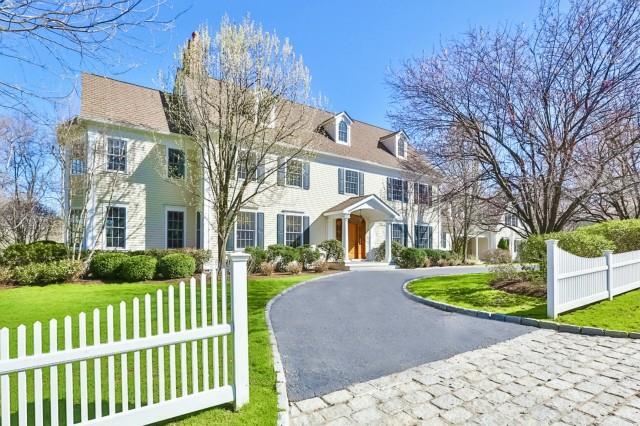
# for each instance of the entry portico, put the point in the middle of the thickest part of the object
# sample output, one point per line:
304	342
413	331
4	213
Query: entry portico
353	222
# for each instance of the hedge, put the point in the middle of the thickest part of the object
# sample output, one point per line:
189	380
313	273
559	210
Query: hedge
138	268
200	256
281	255
37	252
258	256
411	257
624	234
106	265
308	255
176	265
332	249
45	273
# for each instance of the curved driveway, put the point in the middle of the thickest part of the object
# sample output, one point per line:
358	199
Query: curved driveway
359	325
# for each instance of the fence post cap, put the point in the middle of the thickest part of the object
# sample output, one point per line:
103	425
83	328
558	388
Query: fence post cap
607	252
551	242
239	256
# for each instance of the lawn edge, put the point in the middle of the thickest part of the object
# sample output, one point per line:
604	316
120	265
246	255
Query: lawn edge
278	366
531	322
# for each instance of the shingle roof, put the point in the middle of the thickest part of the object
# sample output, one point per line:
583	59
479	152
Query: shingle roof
118	102
346	203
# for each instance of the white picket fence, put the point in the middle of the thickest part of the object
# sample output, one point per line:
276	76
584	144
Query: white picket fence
165	370
574	281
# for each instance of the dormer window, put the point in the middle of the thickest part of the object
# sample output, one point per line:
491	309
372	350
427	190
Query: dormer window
401	147
343	133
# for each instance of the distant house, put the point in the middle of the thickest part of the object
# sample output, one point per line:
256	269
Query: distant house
353	188
482	241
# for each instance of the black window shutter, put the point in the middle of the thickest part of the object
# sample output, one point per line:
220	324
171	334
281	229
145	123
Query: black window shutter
340	180
430	242
360	183
388	189
430	195
305	229
416	193
405	191
305	176
260	229
405	234
260	171
280	229
231	239
416	236
281	171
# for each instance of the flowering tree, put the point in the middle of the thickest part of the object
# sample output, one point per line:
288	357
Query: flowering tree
242	97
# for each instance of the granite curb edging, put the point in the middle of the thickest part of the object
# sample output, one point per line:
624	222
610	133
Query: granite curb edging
531	322
278	366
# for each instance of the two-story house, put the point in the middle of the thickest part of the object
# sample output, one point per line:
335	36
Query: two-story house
354	187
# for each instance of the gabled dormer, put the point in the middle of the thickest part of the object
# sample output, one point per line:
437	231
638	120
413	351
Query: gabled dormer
396	143
338	128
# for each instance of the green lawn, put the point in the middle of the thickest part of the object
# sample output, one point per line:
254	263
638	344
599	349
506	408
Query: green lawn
29	304
473	291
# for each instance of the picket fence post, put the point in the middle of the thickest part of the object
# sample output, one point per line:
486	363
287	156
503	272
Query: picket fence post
552	278
240	327
608	254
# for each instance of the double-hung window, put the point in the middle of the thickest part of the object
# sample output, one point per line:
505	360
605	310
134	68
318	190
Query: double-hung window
294	173
293	230
116	227
343	132
116	155
401	147
247	163
423	236
78	164
175	163
423	194
175	229
397	233
510	219
351	182
246	230
396	189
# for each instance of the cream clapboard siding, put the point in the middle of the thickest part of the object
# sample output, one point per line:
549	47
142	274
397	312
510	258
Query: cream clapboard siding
146	193
144	190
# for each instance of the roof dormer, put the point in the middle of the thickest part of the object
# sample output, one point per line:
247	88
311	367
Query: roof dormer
338	128
396	143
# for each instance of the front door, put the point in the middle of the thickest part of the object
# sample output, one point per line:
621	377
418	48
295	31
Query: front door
357	231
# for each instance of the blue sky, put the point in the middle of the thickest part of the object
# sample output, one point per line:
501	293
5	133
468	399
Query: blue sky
347	45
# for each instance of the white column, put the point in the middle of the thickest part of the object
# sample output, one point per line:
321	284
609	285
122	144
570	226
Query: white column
387	242
345	236
477	254
240	327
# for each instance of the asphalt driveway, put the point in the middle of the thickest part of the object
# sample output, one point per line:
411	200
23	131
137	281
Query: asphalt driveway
358	326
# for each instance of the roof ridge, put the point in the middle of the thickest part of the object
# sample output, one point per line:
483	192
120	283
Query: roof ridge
123	82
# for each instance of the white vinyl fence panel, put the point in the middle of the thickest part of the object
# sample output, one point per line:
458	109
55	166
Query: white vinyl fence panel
135	375
574	281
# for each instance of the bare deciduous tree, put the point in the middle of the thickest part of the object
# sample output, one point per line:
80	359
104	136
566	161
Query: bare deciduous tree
242	98
538	105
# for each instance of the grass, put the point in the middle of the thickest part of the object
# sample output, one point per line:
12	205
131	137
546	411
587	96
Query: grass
26	305
473	291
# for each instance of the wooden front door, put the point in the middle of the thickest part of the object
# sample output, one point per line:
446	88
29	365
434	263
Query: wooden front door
357	231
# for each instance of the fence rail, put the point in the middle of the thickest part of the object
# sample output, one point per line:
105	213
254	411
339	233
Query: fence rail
171	357
574	281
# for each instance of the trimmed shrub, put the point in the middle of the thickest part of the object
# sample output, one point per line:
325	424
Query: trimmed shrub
138	268
624	234
320	266
47	273
294	268
497	256
200	256
106	265
258	255
176	265
379	252
38	252
308	255
411	257
503	244
332	249
267	268
281	255
5	275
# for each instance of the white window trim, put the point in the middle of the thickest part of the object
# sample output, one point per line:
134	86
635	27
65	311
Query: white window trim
345	181
338	121
401	200
398	140
430	201
402	224
182	209
255	230
126	155
126	228
301	216
415	237
286	168
166	155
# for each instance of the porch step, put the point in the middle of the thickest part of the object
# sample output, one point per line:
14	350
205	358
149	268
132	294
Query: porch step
368	266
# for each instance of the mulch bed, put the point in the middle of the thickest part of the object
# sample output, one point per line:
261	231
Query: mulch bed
521	287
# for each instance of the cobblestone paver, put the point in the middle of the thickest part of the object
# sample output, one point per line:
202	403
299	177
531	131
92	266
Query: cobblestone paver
543	377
